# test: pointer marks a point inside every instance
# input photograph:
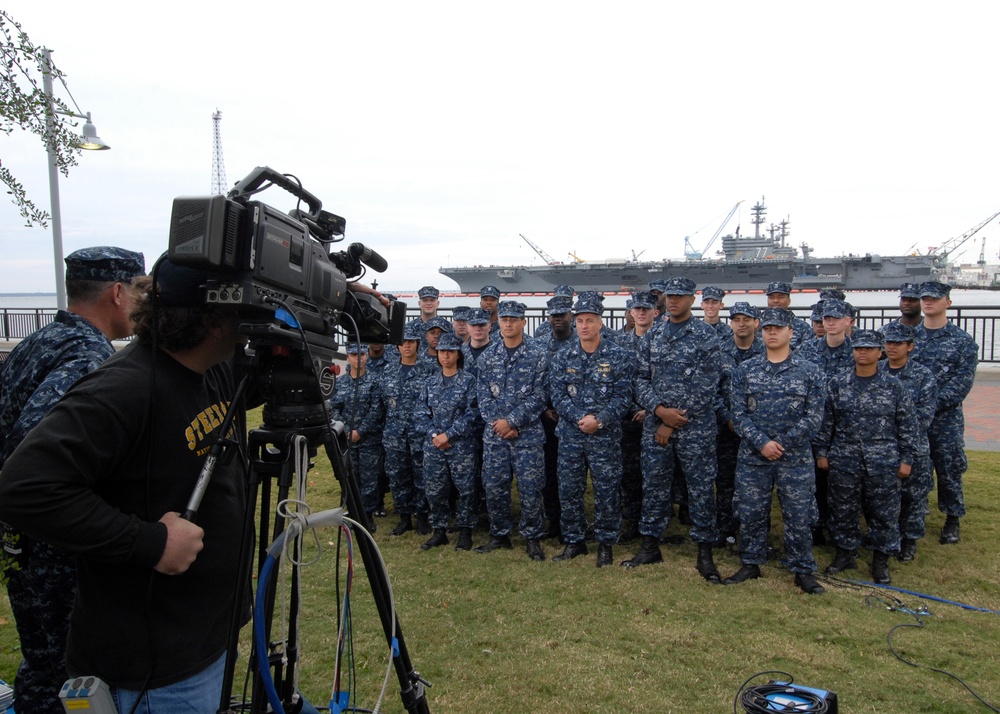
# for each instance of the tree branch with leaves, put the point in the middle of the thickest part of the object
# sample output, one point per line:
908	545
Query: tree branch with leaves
25	105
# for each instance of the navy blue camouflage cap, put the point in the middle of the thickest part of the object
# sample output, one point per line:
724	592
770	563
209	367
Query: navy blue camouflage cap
817	312
711	292
934	289
460	313
564	291
744	308
511	308
852	311
490	291
588	302
778	316
898	332
779	286
428	291
832	294
412	332
628	304
679	286
104	264
450	342
440	323
644	299
836	308
357	348
559	305
910	290
478	316
867	338
657	286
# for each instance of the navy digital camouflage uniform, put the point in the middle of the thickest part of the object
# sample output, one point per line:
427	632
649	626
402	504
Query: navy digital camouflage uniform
679	367
512	387
831	361
782	402
632	428
722	328
377	367
597	384
802	331
728	441
418	323
41	580
551	344
357	402
404	445
447	405
951	355
477	316
564	291
869	429
922	387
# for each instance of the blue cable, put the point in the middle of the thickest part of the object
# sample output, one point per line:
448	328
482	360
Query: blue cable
261	642
927	597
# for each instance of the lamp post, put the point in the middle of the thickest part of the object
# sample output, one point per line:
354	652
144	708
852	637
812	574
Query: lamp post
89	140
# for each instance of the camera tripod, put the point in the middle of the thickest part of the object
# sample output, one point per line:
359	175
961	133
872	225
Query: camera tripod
294	410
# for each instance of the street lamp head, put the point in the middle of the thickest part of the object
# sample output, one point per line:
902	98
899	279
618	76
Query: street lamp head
89	140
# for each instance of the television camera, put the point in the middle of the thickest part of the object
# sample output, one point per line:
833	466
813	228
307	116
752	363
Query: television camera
276	266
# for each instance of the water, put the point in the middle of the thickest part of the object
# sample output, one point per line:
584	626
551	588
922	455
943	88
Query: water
959	298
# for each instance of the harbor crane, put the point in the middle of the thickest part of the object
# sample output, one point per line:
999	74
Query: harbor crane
692	253
944	252
549	260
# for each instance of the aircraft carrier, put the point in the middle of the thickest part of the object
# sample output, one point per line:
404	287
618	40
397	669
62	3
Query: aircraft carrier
746	263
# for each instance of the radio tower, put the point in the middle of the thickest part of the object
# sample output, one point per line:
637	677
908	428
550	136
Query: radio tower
219	183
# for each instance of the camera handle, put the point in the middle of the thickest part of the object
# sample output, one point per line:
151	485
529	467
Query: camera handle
261	174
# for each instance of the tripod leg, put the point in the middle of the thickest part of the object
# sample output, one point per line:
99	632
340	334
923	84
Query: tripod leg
411	686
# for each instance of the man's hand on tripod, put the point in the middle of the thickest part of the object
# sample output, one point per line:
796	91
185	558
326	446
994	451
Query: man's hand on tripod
184	542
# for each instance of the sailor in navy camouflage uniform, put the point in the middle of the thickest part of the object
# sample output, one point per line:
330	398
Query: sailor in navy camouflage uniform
909	306
357	402
445	416
711	305
645	315
952	355
590	386
378	360
816	318
435	328
834	355
922	387
428	299
511	394
489	298
677	381
41	581
401	385
479	342
869	440
559	336
777	403
742	345
460	322
779	294
563	291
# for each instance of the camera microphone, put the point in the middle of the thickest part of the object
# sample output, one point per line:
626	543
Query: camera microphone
368	256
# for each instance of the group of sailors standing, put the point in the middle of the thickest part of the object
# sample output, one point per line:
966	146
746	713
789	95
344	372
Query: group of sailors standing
709	415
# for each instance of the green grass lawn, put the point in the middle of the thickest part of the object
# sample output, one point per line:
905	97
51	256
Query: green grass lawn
499	633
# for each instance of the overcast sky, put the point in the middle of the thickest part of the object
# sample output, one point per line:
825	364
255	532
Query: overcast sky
441	131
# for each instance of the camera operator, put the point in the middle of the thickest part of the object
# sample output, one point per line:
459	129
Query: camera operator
105	474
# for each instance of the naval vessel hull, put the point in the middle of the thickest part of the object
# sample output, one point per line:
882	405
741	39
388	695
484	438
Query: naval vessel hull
868	272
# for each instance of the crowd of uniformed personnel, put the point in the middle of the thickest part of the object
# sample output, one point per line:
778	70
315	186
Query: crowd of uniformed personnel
710	416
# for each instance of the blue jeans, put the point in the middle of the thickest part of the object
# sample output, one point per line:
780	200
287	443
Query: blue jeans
198	694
